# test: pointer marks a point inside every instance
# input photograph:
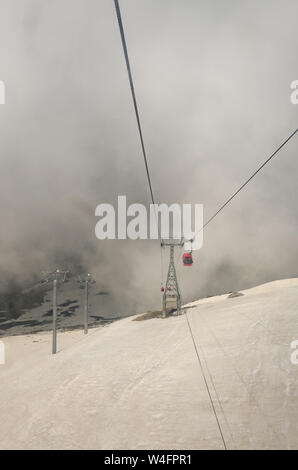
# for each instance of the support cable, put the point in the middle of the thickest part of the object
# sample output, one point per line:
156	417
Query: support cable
133	95
206	383
244	184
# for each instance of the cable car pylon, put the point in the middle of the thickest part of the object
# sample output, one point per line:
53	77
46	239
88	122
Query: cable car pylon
171	293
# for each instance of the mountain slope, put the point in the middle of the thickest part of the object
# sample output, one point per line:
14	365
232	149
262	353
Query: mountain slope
140	384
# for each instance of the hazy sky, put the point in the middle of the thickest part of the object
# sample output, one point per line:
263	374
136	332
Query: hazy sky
212	80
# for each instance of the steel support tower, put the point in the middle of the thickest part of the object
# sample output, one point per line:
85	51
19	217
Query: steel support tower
171	293
57	277
86	280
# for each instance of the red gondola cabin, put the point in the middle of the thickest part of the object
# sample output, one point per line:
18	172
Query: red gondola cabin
187	259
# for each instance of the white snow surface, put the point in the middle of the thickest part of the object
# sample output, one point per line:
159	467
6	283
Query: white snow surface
139	384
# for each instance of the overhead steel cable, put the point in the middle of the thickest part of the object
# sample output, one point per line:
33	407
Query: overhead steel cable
244	184
206	384
121	29
133	95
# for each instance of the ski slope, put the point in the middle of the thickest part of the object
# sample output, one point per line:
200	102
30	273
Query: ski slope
140	384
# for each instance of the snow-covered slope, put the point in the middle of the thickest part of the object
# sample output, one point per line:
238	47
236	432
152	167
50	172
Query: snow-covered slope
134	385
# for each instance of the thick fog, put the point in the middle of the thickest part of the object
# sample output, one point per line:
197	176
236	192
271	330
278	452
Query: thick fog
213	85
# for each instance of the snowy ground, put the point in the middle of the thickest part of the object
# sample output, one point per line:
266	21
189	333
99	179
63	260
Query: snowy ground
135	385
